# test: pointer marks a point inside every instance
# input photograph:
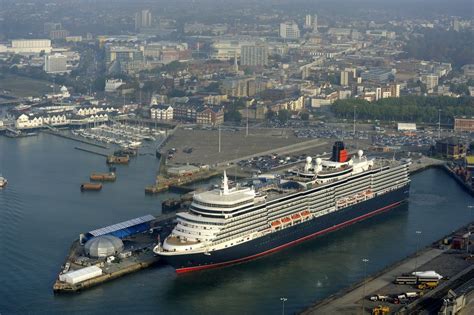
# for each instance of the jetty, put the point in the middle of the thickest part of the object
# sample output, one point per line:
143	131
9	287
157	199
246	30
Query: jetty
135	240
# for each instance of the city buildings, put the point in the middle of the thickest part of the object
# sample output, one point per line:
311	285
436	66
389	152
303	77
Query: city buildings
56	63
430	80
143	19
161	112
30	46
451	148
377	75
111	85
254	55
122	54
308	21
239	87
210	115
50	26
228	48
289	30
344	80
464	124
58	34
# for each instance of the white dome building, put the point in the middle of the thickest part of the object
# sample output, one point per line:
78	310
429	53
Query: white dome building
103	246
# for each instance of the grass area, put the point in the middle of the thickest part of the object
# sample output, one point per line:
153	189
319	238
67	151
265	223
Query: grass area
22	86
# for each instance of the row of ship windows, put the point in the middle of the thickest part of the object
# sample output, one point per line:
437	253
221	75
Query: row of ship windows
251	218
192	233
245	228
247	214
250	202
200	222
226	237
193	226
390	180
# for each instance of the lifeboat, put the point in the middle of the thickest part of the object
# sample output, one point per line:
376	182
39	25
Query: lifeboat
295	216
276	223
305	213
285	220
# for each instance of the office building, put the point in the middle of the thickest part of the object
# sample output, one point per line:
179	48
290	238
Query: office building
49	26
239	87
143	19
315	24
308	21
344	81
58	34
56	63
122	54
254	55
430	80
289	30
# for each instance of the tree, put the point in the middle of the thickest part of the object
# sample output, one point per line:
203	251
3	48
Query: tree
304	116
233	115
284	115
270	115
176	93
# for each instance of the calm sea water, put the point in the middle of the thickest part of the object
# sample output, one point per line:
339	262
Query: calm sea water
42	211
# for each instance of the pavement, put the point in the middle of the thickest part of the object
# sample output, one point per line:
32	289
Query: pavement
349	302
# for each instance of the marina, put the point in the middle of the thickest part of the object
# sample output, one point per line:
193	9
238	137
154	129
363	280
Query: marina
124	135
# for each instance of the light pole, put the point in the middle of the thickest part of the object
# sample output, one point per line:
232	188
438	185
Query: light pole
365	261
469	229
417	248
283	300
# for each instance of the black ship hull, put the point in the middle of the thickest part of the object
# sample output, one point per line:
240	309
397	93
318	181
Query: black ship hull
289	236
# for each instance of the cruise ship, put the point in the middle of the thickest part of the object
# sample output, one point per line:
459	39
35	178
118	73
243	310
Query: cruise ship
239	222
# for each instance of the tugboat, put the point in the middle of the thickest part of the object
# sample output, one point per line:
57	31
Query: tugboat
3	181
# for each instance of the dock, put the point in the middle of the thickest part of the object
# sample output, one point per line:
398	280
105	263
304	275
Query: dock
137	255
90	151
62	135
449	262
177	183
424	163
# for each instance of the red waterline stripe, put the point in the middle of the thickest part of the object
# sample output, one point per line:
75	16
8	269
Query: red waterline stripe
335	227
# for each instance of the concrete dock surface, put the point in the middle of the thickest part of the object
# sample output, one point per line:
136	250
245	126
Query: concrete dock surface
349	303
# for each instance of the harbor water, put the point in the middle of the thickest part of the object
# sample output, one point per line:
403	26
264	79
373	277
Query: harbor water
42	210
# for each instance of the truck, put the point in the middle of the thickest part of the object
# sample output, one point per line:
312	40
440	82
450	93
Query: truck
378	297
406	279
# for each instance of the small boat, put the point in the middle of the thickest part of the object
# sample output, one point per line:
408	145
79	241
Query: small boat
91	186
3	181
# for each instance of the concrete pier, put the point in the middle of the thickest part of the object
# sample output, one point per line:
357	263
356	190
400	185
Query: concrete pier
141	258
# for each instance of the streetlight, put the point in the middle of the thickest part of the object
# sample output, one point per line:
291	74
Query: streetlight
417	247
365	261
283	300
469	229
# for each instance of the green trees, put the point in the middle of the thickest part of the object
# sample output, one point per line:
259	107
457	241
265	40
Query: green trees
441	45
407	108
284	115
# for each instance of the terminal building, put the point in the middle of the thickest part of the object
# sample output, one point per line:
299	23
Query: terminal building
120	230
